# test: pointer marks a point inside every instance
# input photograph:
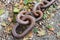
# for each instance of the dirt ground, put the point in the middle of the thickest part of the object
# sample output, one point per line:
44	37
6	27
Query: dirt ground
40	31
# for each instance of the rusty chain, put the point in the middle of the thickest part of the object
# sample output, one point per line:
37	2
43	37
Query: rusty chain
28	19
47	3
25	18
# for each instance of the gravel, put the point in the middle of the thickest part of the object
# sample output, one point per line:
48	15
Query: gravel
55	20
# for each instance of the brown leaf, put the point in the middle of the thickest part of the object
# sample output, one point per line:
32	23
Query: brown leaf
10	19
9	28
41	32
51	29
28	36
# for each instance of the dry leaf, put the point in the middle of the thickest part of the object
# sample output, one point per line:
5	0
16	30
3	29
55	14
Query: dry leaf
58	34
21	1
8	28
10	19
51	29
4	24
41	33
28	36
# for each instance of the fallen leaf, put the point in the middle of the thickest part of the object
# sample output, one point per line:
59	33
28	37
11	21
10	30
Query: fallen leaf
16	10
45	15
16	5
4	24
8	29
28	36
58	34
10	19
35	30
1	11
41	33
25	1
21	1
51	28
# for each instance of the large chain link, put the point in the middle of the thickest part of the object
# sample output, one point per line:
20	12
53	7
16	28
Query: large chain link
25	18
